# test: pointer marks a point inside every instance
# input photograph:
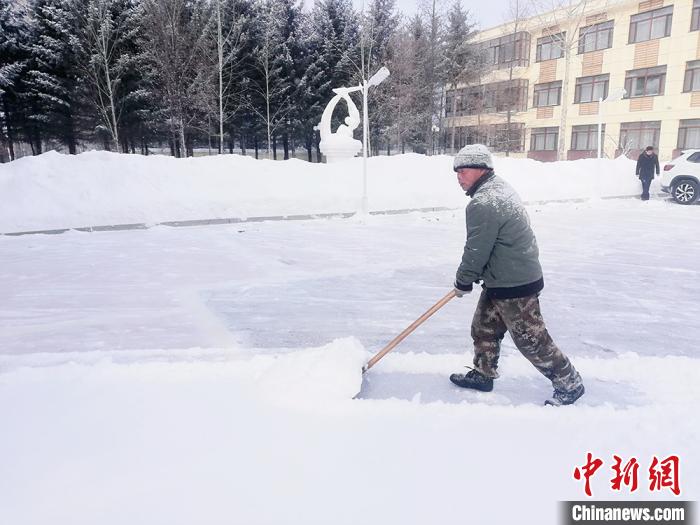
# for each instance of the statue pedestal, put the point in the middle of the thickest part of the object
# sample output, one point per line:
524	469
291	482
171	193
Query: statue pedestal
338	147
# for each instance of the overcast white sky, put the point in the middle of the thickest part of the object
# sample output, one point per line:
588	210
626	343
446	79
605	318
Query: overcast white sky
486	13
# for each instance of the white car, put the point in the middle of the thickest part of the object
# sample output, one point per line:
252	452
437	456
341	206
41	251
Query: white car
681	177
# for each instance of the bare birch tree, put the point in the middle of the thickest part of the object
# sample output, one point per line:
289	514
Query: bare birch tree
103	27
176	42
271	99
229	40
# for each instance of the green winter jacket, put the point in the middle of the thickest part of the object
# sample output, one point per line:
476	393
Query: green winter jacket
501	248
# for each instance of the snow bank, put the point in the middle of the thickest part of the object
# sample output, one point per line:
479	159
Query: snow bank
53	190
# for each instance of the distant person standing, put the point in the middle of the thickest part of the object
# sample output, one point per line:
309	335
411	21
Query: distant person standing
646	164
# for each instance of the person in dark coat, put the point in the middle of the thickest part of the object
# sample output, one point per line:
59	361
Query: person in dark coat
646	164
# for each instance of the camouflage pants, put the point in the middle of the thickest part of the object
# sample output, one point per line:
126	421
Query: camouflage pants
522	318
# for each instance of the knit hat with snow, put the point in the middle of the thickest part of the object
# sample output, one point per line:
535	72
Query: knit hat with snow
473	156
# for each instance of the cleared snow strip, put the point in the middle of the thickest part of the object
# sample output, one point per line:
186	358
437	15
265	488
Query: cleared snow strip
663	379
53	191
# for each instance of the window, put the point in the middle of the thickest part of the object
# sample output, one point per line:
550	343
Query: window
651	25
489	98
692	76
550	47
509	50
583	138
547	94
469	135
591	89
694	157
544	139
689	134
595	37
639	135
645	82
695	20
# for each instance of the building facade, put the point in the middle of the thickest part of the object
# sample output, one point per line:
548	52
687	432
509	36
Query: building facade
566	62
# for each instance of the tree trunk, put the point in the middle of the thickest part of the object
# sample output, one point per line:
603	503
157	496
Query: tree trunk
220	43
561	147
454	119
70	134
285	145
257	146
10	137
317	141
274	147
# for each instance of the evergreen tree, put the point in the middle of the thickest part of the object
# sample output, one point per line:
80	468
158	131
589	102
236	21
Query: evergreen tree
463	61
332	44
13	62
378	28
420	99
56	83
272	82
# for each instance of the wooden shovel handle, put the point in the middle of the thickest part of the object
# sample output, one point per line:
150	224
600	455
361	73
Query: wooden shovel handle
403	335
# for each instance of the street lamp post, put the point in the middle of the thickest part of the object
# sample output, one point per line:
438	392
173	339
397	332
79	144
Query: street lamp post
374	80
616	95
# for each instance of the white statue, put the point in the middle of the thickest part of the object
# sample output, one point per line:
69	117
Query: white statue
340	145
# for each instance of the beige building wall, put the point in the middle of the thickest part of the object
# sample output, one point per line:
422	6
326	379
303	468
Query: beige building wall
673	51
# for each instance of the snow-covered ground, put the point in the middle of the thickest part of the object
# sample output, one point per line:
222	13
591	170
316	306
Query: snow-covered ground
207	374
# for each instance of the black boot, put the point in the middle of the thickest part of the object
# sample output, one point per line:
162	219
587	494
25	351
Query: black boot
561	397
473	379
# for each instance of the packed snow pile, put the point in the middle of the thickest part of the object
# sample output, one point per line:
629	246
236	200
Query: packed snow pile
53	190
332	372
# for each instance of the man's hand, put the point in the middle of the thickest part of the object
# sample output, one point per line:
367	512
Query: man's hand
462	289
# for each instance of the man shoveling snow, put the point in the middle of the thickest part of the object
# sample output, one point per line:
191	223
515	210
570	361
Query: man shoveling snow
501	250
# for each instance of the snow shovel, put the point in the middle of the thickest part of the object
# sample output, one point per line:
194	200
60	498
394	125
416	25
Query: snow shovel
403	335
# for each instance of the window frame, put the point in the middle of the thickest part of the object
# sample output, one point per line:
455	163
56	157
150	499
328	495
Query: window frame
546	133
691	80
683	126
695	17
555	86
632	76
641	127
550	40
594	81
497	50
492	97
596	30
651	17
590	131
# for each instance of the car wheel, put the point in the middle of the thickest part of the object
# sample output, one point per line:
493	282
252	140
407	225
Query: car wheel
685	192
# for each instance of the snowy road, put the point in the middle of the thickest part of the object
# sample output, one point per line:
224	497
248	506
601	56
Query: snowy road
620	276
126	361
